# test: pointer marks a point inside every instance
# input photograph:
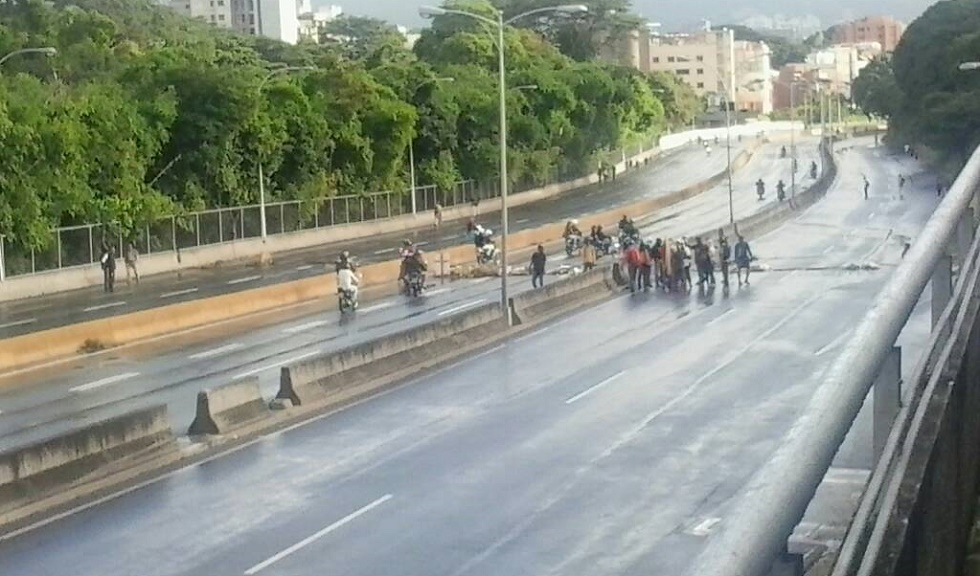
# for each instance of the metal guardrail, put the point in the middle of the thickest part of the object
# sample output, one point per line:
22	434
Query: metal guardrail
75	246
777	496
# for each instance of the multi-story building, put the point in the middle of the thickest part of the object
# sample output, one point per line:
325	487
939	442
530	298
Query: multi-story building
712	62
836	67
311	22
271	18
884	30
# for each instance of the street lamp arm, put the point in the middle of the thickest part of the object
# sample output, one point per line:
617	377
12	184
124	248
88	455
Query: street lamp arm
50	51
441	11
570	8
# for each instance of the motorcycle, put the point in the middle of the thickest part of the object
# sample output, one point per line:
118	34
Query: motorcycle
487	252
345	301
607	247
573	243
415	283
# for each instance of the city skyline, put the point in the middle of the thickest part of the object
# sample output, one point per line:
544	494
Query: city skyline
690	14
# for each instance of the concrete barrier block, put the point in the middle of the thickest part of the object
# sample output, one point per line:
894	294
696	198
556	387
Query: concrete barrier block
34	471
338	372
222	410
559	296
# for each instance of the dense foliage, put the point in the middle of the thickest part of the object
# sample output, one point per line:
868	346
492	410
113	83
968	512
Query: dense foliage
921	91
143	113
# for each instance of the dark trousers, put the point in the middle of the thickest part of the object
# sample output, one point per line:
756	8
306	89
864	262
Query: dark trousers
724	273
645	272
537	278
109	279
634	276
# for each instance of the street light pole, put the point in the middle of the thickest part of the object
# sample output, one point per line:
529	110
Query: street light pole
48	51
269	76
728	148
792	138
501	24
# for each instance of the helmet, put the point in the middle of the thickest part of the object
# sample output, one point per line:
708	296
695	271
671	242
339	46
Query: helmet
406	243
574	222
345	255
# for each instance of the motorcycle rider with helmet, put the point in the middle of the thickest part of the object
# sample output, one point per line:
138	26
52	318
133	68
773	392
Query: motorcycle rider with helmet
572	229
345	262
347	281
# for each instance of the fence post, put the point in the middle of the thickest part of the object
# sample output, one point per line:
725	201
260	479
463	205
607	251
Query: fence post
173	236
3	263
282	217
149	246
942	287
91	250
59	250
197	228
887	399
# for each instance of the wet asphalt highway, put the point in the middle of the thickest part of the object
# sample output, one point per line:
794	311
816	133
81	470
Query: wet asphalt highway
674	170
597	445
40	406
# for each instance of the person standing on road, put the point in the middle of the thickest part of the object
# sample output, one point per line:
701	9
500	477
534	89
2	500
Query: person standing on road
132	256
724	257
588	255
632	257
646	264
108	261
867	185
538	261
437	214
743	257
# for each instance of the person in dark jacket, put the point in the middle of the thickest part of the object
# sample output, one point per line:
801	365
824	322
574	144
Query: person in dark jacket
743	257
108	261
538	261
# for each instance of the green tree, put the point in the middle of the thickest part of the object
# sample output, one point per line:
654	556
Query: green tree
875	89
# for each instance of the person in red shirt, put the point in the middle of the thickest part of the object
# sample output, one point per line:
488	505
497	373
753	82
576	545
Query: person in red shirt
633	262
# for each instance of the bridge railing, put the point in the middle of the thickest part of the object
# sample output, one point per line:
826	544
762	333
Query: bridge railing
914	516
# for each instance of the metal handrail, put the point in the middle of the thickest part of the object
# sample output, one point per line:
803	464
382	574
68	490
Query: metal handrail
777	496
855	545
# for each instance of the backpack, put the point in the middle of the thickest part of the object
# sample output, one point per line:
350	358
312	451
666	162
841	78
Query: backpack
633	257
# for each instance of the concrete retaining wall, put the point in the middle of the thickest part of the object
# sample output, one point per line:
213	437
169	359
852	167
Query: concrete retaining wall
224	409
561	296
35	471
339	372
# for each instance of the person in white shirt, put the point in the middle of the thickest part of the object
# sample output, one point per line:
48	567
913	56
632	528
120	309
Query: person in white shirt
347	281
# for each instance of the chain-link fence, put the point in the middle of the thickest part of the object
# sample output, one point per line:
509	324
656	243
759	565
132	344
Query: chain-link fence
82	245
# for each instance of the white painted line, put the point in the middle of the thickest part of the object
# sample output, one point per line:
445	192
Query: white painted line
103	306
847	476
104	382
423	243
585	393
789	276
311	539
720	318
18	323
276	365
216	351
833	344
179	293
438	291
376	307
243	280
871	216
704	527
829	249
307	326
453	237
523	220
302	268
531	334
385	251
462	307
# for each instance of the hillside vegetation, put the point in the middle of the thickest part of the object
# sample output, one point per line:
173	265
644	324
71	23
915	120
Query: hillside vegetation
143	113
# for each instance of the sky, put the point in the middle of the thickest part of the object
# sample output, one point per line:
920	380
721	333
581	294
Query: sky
677	15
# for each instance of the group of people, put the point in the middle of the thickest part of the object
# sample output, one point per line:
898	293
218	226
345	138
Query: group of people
107	260
666	263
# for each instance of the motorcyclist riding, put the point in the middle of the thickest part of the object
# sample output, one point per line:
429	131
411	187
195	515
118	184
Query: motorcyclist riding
627	228
347	282
571	229
414	263
345	262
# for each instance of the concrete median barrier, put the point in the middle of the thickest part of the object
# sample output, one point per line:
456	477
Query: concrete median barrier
67	341
364	368
561	296
31	473
226	408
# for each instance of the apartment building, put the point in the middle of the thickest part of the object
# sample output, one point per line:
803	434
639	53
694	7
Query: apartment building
311	21
276	19
884	30
712	62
